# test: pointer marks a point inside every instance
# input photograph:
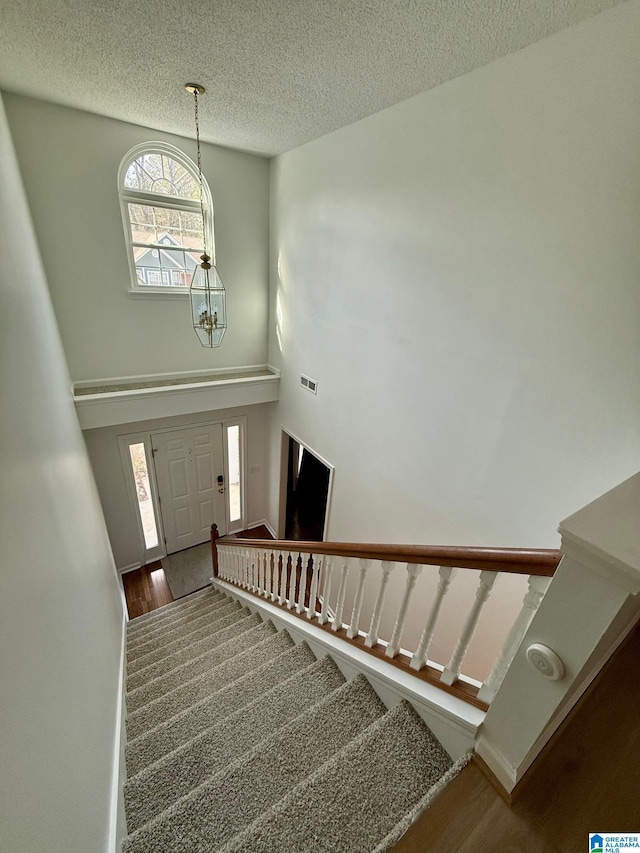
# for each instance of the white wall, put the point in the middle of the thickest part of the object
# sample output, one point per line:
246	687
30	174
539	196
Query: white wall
460	274
61	618
69	161
102	445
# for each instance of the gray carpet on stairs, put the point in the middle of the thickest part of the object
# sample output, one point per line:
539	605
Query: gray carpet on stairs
224	628
154	789
173	620
169	640
188	694
240	740
245	635
216	705
155	617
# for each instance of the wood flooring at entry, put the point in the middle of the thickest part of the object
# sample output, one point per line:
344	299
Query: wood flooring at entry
146	589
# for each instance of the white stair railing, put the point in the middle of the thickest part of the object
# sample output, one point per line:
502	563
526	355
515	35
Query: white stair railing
299	577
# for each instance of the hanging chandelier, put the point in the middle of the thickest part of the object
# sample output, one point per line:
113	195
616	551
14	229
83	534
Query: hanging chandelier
206	290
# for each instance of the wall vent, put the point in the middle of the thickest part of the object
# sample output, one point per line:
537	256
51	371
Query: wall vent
309	384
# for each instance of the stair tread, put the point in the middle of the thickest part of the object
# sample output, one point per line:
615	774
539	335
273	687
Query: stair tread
215	706
170	704
166	638
219	809
352	804
146	618
155	788
172	620
139	623
157	687
219	632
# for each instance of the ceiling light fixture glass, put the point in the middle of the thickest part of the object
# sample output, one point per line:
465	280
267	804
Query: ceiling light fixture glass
206	290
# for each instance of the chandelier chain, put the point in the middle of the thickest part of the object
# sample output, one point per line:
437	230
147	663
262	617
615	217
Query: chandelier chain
204	231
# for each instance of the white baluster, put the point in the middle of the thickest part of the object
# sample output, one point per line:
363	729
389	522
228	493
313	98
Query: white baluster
259	575
268	590
372	636
282	594
452	671
292	582
255	561
342	591
413	570
326	592
313	591
302	586
238	566
263	574
357	604
419	658
251	555
274	575
530	603
245	573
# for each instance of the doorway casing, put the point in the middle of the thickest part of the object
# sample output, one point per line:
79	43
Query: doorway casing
285	437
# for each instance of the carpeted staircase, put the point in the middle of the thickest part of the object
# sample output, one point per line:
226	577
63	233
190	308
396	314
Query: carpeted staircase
241	740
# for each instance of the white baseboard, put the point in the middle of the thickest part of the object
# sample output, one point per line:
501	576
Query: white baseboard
261	523
117	824
453	721
130	568
504	772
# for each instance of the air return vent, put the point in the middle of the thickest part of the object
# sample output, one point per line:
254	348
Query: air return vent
309	384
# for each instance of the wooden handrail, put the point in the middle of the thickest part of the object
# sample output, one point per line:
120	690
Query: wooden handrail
542	562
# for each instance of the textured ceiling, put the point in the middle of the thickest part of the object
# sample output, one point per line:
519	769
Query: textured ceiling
278	72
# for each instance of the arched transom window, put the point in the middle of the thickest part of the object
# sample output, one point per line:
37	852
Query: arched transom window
160	200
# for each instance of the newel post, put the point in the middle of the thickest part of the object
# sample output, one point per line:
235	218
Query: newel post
592	603
215	535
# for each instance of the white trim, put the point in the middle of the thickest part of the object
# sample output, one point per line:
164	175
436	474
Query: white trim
163	390
607	566
129	195
262	523
241	423
130	568
178	374
171	292
504	772
148	555
283	483
127	407
454	721
116	818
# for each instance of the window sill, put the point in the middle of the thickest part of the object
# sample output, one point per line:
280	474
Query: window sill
158	293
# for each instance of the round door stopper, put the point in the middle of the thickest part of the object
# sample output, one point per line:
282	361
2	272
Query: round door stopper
545	661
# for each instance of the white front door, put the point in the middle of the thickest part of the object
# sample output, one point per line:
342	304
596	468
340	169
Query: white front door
190	475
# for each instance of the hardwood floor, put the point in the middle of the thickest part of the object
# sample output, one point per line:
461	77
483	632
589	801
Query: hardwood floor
588	781
146	589
260	532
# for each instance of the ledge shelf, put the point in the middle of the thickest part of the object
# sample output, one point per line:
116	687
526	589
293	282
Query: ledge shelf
123	400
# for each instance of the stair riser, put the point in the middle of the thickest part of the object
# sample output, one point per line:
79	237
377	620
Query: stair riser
163	639
224	630
216	706
158	787
188	694
197	666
